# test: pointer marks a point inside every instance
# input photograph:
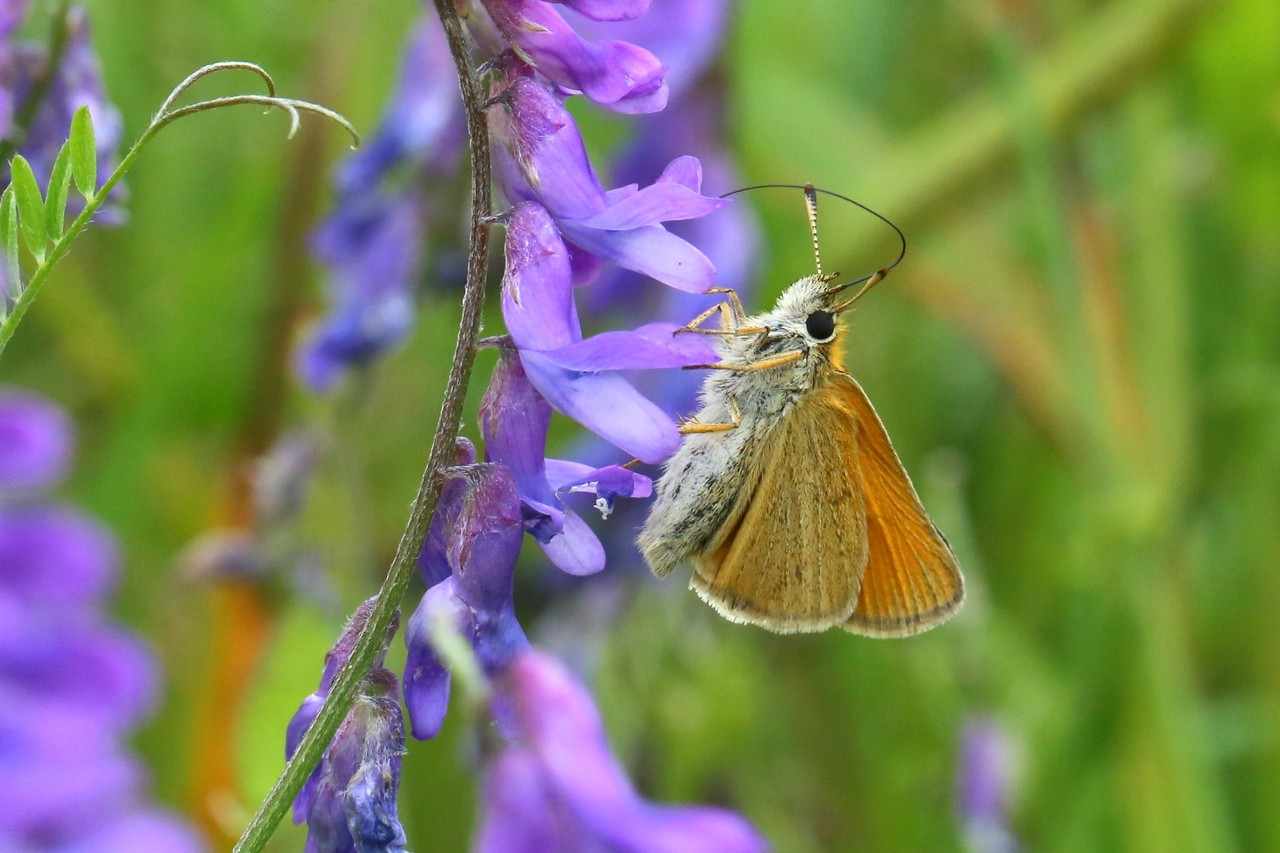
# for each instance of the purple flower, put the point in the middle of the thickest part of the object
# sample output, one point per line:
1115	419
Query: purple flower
35	442
334	660
352	807
624	77
372	247
515	418
71	685
543	159
55	557
555	785
984	778
423	124
480	532
686	33
77	83
729	237
372	244
577	375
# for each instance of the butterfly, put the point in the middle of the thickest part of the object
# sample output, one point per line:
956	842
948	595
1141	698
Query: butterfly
786	495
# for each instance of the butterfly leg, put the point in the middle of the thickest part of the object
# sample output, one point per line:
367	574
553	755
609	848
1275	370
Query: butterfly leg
776	361
692	427
732	316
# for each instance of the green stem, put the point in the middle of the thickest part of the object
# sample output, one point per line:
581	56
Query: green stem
163	118
371	640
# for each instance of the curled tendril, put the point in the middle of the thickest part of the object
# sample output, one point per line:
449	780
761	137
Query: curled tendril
164	116
293	106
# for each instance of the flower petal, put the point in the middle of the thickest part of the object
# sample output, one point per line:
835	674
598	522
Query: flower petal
608	482
55	557
433	561
485	538
519	814
537	288
622	76
648	347
514	419
426	679
663	201
651	250
685	171
372	247
576	550
606	404
548	149
607	10
35	442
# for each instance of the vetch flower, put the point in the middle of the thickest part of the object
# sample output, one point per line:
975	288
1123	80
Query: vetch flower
77	82
373	243
543	159
372	247
348	801
575	375
72	685
687	34
35	442
621	76
555	785
984	783
423	124
481	531
728	237
352	808
515	418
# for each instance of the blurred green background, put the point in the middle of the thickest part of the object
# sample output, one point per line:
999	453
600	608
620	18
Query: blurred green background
1079	362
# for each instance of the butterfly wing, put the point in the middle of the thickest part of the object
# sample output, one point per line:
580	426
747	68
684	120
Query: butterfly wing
791	552
912	581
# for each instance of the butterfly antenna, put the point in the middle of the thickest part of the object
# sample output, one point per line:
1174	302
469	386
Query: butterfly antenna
811	203
811	206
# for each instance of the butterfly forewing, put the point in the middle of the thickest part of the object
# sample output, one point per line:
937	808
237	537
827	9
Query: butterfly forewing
794	549
912	581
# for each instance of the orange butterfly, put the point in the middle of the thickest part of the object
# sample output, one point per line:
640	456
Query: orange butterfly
787	495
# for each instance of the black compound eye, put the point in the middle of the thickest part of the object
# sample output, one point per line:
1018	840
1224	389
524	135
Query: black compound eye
821	325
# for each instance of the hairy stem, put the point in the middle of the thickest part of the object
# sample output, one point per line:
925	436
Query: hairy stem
370	642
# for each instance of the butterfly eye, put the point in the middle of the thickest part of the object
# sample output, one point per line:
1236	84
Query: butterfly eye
821	325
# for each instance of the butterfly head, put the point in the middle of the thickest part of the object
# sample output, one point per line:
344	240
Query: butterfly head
808	312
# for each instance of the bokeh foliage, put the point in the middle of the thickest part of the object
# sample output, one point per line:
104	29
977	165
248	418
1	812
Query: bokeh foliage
1078	362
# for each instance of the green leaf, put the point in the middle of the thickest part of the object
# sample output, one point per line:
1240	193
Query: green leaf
30	205
55	205
9	240
84	153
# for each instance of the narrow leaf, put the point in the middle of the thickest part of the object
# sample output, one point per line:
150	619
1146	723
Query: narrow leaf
30	205
9	242
84	153
55	204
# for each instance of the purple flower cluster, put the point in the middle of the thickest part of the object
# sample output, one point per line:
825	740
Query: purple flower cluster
551	782
563	226
555	785
372	244
349	801
72	685
76	82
